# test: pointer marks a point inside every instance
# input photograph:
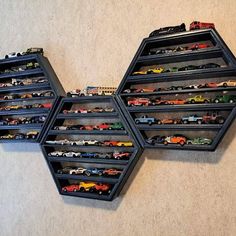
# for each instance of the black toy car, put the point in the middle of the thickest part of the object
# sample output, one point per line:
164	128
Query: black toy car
209	65
168	30
156	139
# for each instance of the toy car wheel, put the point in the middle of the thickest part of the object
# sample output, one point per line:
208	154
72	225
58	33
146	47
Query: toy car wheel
6	56
206	101
220	121
64	190
18	54
100	192
175	122
74	190
231	101
199	122
100	173
224	84
150	122
185	122
192	101
165	142
87	173
216	101
82	189
182	143
159	122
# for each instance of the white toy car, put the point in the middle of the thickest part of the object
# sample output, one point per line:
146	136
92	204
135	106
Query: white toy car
77	171
56	154
229	83
14	54
91	142
71	154
77	142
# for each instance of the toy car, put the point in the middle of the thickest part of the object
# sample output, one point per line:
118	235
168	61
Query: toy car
26	95
101	188
197	46
12	121
189	67
209	65
138	102
13	54
46	105
32	135
97	110
208	85
71	154
104	155
176	102
200	25
33	51
168	30
139	73
225	99
157	139
213	118
61	127
192	119
76	111
91	142
109	109
103	126
191	86
145	120
121	155
110	143
32	65
71	188
60	142
124	144
175	87
199	141
144	90
111	172
7	136
19	136
229	83
171	69
77	93
13	107
93	171
56	154
198	99
71	170
86	186
175	139
85	127
157	70
116	126
77	142
168	121
88	155
76	127
38	119
159	101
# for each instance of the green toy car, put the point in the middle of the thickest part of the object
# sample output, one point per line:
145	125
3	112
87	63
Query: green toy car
116	126
225	99
199	141
198	99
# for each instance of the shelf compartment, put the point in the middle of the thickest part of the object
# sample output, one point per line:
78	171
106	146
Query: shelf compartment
87	132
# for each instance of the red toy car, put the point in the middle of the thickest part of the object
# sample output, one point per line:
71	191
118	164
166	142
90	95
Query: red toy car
139	102
101	188
87	127
47	105
200	25
197	46
103	126
208	85
112	172
121	155
110	143
71	188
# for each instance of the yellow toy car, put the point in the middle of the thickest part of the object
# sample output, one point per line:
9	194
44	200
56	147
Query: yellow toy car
124	144
86	186
140	73
157	70
197	99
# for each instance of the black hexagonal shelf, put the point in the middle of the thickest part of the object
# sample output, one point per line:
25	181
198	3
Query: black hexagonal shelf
29	91
179	91
81	137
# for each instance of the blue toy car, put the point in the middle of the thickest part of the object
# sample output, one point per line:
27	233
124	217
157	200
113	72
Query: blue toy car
145	120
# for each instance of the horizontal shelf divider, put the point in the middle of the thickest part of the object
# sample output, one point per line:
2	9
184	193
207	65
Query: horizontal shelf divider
88	178
180	127
180	75
185	107
188	54
39	86
178	91
88	132
88	160
26	99
21	73
87	115
21	112
87	195
25	126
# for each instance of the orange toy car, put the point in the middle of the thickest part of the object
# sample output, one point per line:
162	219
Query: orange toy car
200	25
176	102
176	139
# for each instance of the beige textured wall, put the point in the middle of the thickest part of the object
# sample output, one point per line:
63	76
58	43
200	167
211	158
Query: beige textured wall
92	42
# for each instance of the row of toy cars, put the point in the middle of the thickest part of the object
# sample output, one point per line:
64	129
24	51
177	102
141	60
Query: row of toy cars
159	70
89	171
192	47
181	28
13	69
27	52
27	95
191	100
100	188
107	155
23	82
23	120
102	126
28	135
178	139
84	110
28	106
209	118
110	143
225	84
